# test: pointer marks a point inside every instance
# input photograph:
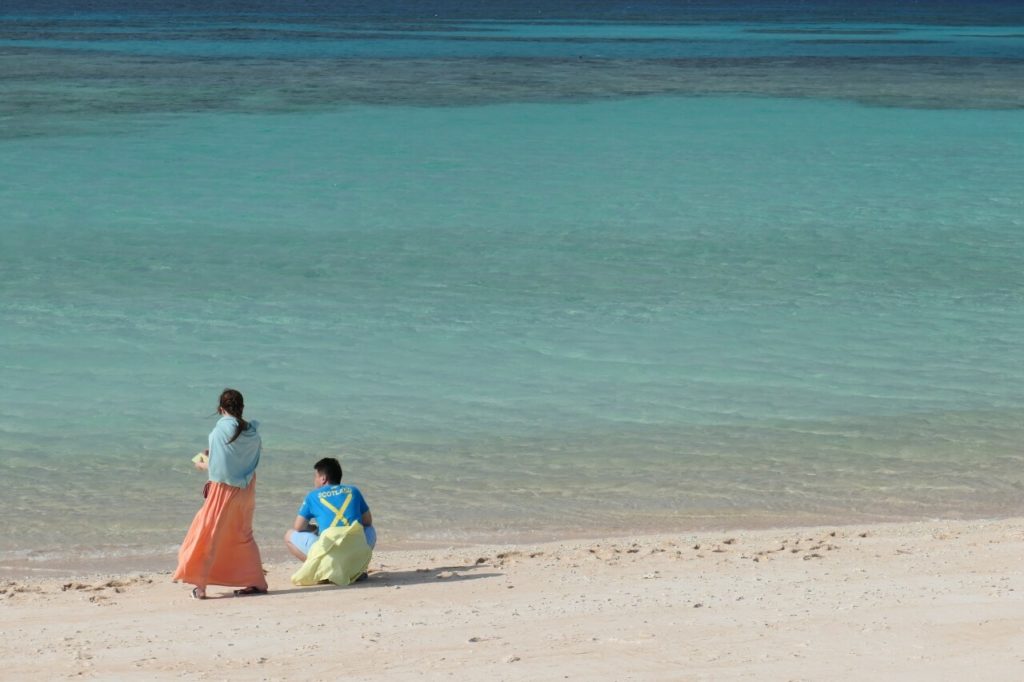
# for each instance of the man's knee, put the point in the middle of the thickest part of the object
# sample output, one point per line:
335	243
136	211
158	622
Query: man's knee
299	543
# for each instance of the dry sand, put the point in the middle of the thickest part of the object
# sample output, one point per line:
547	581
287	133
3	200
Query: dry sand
923	601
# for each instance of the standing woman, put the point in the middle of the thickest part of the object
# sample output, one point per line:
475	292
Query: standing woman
219	548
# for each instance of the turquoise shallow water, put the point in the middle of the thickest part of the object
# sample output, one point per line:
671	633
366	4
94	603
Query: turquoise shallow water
510	319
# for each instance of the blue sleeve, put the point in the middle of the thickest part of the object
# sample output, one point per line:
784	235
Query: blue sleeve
304	511
362	506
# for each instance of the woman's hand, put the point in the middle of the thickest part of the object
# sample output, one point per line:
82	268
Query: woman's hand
202	460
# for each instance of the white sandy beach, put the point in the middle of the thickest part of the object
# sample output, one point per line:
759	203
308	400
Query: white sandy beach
922	601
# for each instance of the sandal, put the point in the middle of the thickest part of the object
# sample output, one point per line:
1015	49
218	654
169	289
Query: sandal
247	591
196	594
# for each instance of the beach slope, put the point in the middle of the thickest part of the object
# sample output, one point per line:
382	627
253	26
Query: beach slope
922	601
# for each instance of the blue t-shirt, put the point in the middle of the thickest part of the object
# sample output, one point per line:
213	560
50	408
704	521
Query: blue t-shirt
334	505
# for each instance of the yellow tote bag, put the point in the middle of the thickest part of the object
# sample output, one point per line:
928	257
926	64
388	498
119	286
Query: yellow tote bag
340	555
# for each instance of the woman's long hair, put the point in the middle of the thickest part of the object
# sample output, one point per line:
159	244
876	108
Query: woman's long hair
233	404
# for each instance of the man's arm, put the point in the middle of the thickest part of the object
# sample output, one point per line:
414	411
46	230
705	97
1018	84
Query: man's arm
367	519
301	524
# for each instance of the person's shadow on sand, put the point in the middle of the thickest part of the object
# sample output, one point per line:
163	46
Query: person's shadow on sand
419	576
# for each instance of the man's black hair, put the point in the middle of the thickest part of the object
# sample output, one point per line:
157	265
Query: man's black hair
330	468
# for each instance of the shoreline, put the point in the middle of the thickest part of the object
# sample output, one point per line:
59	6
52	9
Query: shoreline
48	564
920	600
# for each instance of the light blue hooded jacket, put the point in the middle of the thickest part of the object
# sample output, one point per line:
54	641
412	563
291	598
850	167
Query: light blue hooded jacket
234	463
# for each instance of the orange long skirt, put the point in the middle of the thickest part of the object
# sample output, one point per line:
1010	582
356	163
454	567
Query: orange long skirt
219	548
